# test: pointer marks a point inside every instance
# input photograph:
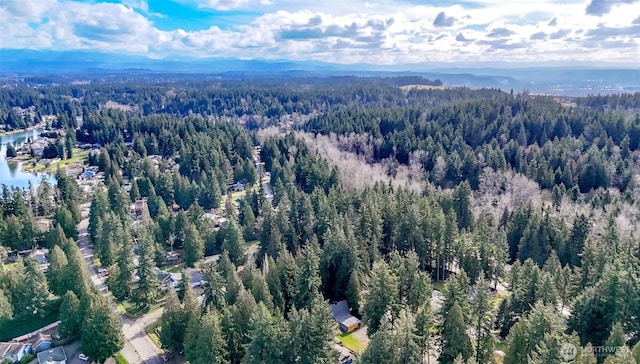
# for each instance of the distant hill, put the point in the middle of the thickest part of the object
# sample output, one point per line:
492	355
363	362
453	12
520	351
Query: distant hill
554	80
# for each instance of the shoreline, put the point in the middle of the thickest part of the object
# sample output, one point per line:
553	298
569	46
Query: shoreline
32	127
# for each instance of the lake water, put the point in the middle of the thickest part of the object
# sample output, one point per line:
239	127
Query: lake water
11	174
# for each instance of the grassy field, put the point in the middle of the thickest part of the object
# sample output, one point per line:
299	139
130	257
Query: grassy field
79	156
175	268
351	342
132	310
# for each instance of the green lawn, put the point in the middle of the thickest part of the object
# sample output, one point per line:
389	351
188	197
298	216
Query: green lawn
79	155
132	310
351	342
151	331
120	359
235	196
175	268
13	328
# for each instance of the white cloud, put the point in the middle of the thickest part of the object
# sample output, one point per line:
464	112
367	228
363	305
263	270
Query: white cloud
384	31
222	5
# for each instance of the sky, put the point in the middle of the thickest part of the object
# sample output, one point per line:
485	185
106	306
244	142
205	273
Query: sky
384	32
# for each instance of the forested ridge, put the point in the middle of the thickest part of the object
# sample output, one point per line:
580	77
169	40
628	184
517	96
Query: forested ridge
520	237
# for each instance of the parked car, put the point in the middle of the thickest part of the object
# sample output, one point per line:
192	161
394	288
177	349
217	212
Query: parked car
83	357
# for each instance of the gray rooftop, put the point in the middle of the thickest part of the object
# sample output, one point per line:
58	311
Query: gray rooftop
52	356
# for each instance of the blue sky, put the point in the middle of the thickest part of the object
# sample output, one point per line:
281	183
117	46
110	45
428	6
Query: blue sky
349	31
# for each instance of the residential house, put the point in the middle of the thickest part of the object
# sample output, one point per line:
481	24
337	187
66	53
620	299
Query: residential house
40	256
87	174
172	256
42	342
171	280
238	186
341	313
14	351
53	356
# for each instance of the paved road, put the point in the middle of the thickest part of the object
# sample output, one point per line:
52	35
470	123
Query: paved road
138	347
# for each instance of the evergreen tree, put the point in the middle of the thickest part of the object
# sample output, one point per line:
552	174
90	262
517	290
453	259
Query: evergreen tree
288	269
118	200
209	346
193	245
97	211
134	193
272	277
270	236
233	242
462	205
616	337
308	279
70	316
382	348
33	295
57	265
269	335
415	285
455	291
126	271
311	332
215	290
407	341
483	319
425	329
6	311
148	287
64	218
101	331
75	276
248	221
232	284
577	240
517	344
454	338
636	352
254	281
383	296
338	260
173	324
353	292
235	325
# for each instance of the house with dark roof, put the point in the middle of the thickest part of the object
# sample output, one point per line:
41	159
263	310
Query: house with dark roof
238	186
341	313
53	356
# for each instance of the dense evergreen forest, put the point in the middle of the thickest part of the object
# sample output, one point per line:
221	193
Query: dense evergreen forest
514	238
